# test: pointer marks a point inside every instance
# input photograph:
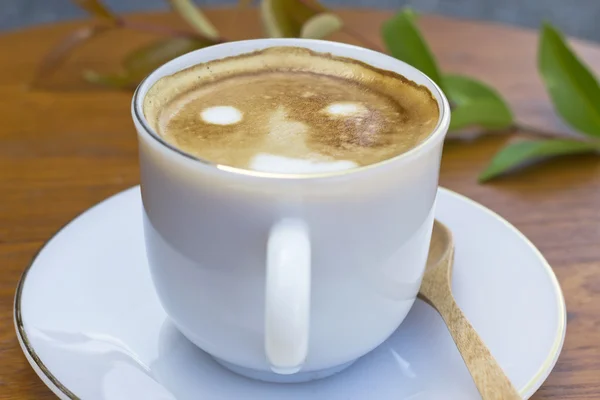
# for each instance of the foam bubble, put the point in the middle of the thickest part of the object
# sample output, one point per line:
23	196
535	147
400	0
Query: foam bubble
221	115
345	109
279	164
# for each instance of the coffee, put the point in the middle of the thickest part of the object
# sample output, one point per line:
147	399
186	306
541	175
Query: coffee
290	110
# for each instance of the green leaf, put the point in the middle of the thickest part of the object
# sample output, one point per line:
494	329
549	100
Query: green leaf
285	18
573	89
411	13
475	104
526	152
139	63
144	60
320	26
195	17
97	9
117	81
405	42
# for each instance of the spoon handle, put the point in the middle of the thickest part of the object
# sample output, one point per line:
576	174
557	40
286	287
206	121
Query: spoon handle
490	379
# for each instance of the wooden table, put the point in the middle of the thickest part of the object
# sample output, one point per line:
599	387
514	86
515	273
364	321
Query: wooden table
65	148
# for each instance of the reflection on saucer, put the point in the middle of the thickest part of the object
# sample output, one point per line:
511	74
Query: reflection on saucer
112	364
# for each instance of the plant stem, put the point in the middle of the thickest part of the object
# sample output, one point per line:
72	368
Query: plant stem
61	51
242	6
532	130
141	26
362	39
350	31
161	29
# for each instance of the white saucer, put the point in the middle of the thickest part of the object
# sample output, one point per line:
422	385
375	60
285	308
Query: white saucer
91	326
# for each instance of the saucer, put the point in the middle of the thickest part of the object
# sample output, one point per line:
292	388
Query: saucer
91	326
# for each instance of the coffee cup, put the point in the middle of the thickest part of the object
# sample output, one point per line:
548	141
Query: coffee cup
287	277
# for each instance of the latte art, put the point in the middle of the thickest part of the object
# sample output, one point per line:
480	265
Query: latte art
290	110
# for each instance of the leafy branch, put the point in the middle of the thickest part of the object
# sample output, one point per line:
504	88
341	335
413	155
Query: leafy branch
573	89
281	18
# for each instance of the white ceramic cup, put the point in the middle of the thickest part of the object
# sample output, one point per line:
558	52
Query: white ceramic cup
287	277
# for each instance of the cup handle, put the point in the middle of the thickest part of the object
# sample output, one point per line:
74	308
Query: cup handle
287	308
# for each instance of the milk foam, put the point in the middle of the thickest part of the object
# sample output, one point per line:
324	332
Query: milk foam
285	165
221	115
346	109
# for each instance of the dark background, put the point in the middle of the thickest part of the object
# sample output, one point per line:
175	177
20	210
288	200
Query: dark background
580	18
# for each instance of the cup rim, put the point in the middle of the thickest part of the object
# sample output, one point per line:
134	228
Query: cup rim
437	134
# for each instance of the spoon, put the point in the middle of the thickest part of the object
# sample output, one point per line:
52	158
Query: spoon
436	290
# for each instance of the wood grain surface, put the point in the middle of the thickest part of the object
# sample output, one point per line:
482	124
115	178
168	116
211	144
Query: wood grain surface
64	148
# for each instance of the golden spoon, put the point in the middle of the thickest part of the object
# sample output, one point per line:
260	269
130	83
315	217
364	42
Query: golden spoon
436	290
